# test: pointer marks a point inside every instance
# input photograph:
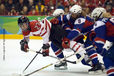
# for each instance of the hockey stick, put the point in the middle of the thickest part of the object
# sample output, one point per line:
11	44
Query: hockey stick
50	64
31	61
73	62
57	62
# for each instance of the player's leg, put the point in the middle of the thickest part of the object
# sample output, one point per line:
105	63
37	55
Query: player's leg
86	60
109	65
109	61
59	53
91	52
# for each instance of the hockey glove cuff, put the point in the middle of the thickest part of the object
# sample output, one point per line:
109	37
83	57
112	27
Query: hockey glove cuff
45	50
54	21
65	43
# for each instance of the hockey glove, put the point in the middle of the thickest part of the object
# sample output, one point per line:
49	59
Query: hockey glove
54	21
45	50
65	43
24	45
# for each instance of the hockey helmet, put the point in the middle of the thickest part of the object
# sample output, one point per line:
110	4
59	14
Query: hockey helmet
23	21
58	12
76	9
98	13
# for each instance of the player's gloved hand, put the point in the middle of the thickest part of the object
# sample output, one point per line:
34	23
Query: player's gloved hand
54	21
65	43
45	50
24	45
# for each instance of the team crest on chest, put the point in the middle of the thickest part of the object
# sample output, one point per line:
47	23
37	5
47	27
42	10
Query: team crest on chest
79	21
38	26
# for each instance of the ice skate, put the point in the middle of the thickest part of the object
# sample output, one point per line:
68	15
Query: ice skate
61	66
103	68
96	69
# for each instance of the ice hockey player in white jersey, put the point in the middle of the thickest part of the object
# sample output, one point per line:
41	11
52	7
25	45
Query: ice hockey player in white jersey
104	30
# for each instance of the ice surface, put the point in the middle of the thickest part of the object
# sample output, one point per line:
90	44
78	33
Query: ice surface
16	61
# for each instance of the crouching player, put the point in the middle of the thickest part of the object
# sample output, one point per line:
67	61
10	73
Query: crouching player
58	32
80	25
104	30
34	28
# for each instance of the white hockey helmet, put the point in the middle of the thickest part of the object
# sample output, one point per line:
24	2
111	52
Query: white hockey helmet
58	12
76	9
98	12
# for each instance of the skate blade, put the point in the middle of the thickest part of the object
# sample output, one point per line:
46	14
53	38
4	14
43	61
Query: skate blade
61	68
96	72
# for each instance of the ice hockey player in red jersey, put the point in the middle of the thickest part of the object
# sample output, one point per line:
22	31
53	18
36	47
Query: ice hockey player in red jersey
34	28
104	30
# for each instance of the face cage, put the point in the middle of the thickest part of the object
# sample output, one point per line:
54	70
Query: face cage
97	17
21	24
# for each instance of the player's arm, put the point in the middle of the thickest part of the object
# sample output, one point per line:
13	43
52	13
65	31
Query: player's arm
45	35
45	47
76	31
74	34
24	41
67	28
60	20
24	44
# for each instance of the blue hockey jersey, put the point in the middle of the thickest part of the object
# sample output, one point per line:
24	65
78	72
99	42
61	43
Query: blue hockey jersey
104	29
82	25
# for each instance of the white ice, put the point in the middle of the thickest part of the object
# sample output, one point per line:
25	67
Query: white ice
16	61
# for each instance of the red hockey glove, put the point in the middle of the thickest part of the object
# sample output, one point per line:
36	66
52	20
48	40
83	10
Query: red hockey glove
54	21
65	43
45	50
24	45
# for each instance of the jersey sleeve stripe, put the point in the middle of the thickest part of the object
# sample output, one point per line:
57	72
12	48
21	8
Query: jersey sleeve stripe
100	40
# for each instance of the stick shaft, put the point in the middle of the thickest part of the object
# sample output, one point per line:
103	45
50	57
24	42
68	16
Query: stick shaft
38	69
55	62
49	65
31	61
73	62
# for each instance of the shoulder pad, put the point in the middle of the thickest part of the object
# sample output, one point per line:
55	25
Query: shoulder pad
112	20
98	24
